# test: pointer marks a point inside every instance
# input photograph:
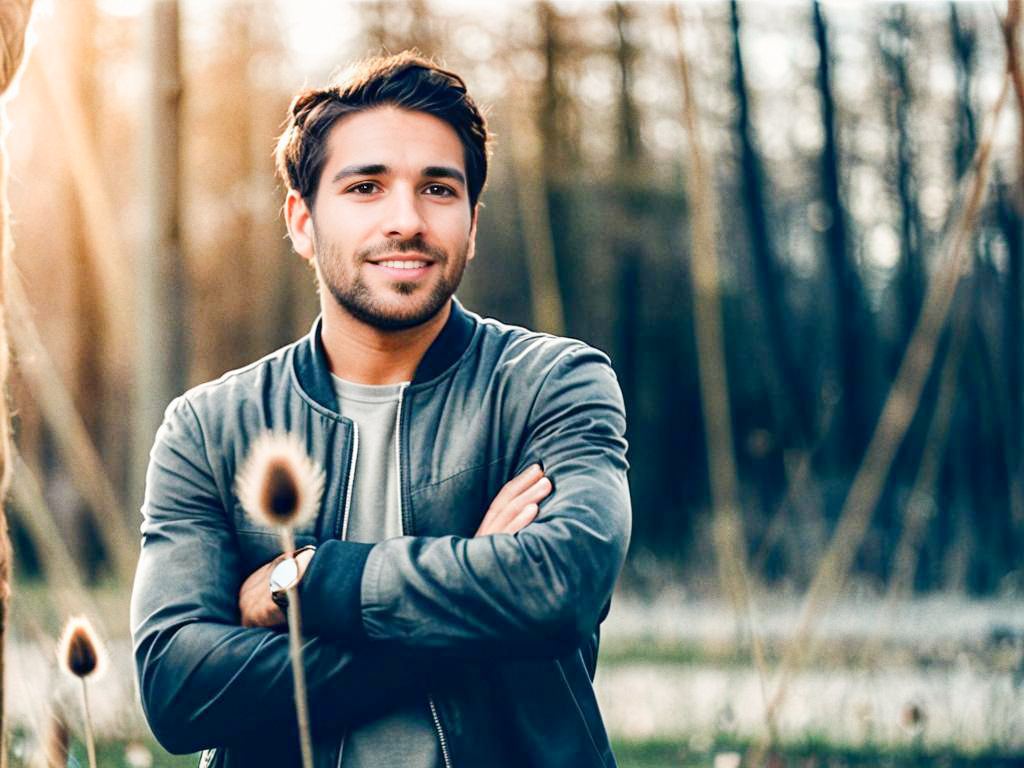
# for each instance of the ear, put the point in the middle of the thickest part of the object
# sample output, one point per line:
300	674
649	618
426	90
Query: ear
471	244
300	224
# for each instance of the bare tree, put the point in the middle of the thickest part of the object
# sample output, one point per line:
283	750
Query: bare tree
791	398
161	334
850	321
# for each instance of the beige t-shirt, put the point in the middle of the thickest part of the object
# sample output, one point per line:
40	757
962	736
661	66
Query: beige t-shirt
405	737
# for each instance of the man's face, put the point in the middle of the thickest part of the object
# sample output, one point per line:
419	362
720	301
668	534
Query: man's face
391	229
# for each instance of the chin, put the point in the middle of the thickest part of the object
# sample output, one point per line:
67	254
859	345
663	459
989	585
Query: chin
393	316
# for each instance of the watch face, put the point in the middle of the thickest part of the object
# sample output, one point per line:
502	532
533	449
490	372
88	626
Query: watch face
284	574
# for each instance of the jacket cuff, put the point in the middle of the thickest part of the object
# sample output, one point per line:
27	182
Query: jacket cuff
329	593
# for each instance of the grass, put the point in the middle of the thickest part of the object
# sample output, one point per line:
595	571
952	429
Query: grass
810	754
109	754
848	654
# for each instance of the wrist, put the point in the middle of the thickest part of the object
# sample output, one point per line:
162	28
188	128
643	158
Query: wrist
287	574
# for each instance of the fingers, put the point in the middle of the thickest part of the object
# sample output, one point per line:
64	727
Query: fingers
517	485
517	504
535	494
256	608
523	519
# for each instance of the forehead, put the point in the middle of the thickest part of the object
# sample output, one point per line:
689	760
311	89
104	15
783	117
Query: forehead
403	140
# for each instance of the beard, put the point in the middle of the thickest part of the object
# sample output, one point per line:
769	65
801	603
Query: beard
351	292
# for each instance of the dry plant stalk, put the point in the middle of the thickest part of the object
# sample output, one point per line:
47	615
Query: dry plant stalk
14	21
897	413
545	295
54	745
916	514
82	656
279	486
1011	38
714	384
76	446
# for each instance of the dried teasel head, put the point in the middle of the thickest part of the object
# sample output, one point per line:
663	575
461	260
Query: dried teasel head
279	485
79	651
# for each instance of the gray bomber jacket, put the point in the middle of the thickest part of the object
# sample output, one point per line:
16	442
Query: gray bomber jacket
497	635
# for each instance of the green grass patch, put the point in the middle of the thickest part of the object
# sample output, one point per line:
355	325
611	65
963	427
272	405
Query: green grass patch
656	753
109	754
848	654
812	753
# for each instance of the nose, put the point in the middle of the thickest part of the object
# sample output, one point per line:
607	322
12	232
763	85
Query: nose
403	219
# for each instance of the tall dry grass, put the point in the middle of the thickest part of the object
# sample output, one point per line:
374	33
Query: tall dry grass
14	21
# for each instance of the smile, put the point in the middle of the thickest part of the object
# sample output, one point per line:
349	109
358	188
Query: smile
396	264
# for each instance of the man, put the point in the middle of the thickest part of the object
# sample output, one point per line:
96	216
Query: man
475	513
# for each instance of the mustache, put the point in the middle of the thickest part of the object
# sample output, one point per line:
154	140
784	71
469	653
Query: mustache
394	245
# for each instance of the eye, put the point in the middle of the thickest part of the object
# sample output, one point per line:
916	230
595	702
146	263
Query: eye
439	190
364	188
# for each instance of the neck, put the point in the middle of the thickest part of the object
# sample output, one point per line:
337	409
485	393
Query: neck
363	354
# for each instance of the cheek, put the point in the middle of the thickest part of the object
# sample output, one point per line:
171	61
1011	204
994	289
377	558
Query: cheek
458	229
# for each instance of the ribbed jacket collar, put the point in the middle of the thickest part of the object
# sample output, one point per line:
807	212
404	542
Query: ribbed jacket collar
313	372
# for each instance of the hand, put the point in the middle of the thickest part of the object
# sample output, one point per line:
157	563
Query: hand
254	602
515	506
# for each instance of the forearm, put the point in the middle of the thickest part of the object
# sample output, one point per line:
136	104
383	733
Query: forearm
198	670
537	593
196	680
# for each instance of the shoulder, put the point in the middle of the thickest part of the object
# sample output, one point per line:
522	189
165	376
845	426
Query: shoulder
521	351
531	369
235	389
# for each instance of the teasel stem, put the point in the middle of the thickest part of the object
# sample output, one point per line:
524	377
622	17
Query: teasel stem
54	744
81	655
281	487
90	742
295	652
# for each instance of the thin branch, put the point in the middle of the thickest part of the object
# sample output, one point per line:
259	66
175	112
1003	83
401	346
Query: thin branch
531	195
55	558
73	441
101	229
711	366
897	413
15	17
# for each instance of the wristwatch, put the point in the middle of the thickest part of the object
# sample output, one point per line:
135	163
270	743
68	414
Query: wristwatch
284	576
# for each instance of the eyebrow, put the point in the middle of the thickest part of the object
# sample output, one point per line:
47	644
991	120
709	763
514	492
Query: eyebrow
445	172
360	170
379	169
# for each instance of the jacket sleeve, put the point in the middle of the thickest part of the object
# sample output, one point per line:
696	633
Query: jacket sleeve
204	679
540	592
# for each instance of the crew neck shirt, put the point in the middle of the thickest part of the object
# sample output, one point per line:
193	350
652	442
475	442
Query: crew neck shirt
403	737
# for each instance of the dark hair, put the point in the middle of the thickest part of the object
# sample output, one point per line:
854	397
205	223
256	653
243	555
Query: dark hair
404	80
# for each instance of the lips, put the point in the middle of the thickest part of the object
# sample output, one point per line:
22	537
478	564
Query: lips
402	263
404	267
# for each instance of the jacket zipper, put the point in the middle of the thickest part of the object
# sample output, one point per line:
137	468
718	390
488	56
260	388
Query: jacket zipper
440	732
401	512
208	757
344	528
351	482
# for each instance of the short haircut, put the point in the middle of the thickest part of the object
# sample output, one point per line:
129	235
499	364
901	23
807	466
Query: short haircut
405	80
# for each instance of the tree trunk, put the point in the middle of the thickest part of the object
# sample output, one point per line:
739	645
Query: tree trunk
790	395
853	418
162	352
910	271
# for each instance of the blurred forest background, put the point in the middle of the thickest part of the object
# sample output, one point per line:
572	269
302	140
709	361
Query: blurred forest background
830	177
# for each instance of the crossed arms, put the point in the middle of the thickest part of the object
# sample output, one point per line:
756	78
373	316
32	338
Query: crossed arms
514	508
373	613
